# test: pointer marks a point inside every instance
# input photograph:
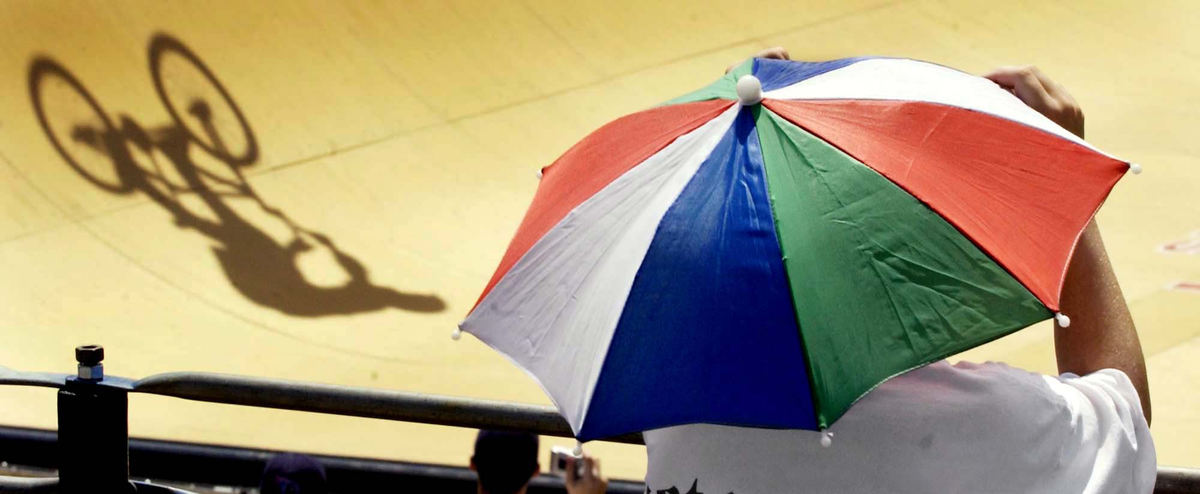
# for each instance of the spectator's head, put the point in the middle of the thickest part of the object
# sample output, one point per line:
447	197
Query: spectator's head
290	473
505	461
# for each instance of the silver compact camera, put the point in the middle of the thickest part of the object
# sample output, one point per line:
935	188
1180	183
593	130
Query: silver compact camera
558	461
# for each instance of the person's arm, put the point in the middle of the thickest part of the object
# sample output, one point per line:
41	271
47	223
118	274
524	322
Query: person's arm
1102	334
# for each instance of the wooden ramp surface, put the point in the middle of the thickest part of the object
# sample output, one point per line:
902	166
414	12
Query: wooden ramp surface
373	159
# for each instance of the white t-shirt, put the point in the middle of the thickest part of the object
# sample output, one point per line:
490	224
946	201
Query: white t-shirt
977	428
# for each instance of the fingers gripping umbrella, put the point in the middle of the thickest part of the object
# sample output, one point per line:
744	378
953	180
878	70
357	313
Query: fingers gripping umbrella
766	250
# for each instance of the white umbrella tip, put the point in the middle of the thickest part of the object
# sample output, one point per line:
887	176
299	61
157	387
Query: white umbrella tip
457	334
1135	168
749	90
826	439
1062	320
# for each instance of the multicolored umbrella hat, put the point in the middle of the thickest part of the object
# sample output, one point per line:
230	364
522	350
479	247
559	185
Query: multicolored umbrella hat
766	250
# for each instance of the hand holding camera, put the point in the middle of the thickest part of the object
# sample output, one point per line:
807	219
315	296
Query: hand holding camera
581	474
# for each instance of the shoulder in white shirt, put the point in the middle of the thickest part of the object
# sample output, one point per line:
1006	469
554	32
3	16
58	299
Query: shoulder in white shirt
979	428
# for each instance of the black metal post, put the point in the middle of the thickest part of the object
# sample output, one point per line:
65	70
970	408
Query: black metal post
93	430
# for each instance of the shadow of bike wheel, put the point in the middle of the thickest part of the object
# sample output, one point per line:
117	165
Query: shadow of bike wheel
162	47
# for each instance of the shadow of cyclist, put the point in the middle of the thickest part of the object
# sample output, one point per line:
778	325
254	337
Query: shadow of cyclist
262	269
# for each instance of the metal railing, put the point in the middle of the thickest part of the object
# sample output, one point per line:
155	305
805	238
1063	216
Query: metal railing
93	426
362	402
207	467
328	399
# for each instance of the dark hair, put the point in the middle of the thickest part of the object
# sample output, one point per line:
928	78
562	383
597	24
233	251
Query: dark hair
505	460
291	473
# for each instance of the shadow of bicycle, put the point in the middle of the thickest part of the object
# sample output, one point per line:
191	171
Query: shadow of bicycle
122	156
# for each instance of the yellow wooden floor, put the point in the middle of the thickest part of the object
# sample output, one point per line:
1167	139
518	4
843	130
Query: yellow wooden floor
395	147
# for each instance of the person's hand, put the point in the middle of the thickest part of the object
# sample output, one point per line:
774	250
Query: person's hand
776	52
590	482
1042	94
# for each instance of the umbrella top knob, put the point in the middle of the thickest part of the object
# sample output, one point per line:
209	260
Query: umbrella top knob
749	90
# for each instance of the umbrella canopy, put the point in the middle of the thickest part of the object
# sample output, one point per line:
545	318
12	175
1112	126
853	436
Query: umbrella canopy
766	250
